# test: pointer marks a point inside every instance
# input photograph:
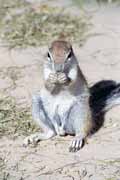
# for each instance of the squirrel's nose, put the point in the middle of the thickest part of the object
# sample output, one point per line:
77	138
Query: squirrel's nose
59	67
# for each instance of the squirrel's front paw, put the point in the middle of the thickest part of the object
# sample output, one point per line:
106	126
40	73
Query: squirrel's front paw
62	78
53	78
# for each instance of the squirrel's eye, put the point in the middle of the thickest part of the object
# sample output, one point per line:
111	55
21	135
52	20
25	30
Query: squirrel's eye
69	56
48	57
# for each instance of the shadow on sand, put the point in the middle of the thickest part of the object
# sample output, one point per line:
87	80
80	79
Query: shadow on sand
101	92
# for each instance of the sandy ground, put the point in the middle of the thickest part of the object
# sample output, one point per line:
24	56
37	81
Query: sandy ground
99	59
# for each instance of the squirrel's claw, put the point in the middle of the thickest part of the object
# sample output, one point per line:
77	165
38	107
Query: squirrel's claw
76	144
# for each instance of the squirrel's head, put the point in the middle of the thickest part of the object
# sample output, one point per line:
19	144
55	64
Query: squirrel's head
60	56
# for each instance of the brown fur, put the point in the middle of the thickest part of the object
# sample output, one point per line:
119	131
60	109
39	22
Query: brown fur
59	49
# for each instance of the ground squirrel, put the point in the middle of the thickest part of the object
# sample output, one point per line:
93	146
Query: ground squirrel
65	105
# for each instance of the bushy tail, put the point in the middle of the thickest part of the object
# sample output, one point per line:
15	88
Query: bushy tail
104	96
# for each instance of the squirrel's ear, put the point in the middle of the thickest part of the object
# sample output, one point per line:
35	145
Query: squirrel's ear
62	37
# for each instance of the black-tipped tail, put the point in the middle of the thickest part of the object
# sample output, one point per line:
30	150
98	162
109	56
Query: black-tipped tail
104	96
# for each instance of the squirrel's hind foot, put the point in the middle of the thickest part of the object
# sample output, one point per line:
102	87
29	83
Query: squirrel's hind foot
76	144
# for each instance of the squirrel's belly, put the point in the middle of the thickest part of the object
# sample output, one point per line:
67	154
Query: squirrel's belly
63	102
58	108
57	103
